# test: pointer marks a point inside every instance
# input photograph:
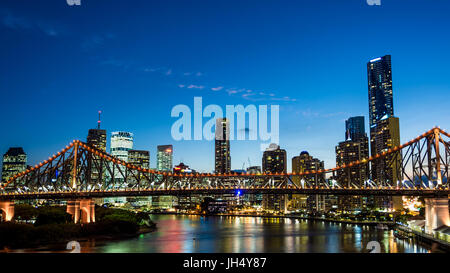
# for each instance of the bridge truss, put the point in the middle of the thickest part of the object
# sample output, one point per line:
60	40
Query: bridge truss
418	167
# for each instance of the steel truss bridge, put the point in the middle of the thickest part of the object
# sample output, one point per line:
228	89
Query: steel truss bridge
419	167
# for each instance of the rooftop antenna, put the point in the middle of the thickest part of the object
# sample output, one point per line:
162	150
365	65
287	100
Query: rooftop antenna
99	120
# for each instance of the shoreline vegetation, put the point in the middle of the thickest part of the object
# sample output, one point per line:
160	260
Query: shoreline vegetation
35	227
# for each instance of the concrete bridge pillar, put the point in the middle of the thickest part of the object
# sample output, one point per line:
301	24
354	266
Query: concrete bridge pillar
436	213
7	209
82	210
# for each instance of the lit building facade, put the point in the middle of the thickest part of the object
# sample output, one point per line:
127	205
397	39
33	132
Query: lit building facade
273	161
97	139
14	162
306	163
164	159
379	75
222	146
141	159
354	148
384	128
121	143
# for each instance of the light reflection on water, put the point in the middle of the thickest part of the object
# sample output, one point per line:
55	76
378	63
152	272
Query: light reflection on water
228	234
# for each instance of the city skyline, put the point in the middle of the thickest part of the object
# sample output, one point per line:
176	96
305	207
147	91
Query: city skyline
307	120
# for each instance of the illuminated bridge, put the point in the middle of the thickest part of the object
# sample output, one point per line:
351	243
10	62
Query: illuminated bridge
79	173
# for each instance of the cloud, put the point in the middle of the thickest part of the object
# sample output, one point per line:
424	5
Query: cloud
12	21
169	72
97	40
198	74
218	88
193	86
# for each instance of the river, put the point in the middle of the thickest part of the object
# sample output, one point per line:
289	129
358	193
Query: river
229	234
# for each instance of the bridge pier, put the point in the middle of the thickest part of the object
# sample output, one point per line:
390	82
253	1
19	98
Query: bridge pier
82	210
436	213
7	209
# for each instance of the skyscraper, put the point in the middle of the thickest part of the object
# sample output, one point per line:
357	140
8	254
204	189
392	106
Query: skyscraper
139	158
379	75
97	138
384	127
14	161
222	146
355	128
164	158
307	163
355	147
274	161
121	143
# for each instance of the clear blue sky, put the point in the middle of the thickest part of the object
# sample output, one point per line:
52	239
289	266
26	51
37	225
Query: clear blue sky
60	64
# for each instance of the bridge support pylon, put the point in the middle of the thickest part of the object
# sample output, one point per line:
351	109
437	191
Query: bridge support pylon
436	213
82	210
7	210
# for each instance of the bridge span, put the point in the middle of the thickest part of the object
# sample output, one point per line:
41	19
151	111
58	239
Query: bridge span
79	173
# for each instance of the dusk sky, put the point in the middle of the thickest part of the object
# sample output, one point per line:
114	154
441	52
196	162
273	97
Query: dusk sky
136	60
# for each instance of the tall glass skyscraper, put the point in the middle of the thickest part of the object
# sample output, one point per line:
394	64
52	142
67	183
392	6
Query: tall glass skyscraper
355	128
379	75
222	146
164	158
384	128
121	143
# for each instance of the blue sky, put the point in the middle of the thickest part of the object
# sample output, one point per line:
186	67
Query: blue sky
61	64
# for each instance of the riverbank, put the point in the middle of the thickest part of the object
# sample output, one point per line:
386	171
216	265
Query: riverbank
408	233
59	245
343	221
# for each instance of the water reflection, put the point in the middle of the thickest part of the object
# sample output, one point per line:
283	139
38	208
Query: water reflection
228	234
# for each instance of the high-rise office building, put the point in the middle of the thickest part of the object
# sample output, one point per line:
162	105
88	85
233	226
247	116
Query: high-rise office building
307	163
164	159
384	127
379	74
274	161
14	162
355	128
384	136
254	199
97	139
121	143
139	158
354	148
222	146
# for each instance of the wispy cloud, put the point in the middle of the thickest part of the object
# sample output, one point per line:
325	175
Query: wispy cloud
193	86
13	21
218	88
198	74
96	40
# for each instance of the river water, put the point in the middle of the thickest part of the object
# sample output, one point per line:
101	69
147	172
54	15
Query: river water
229	234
